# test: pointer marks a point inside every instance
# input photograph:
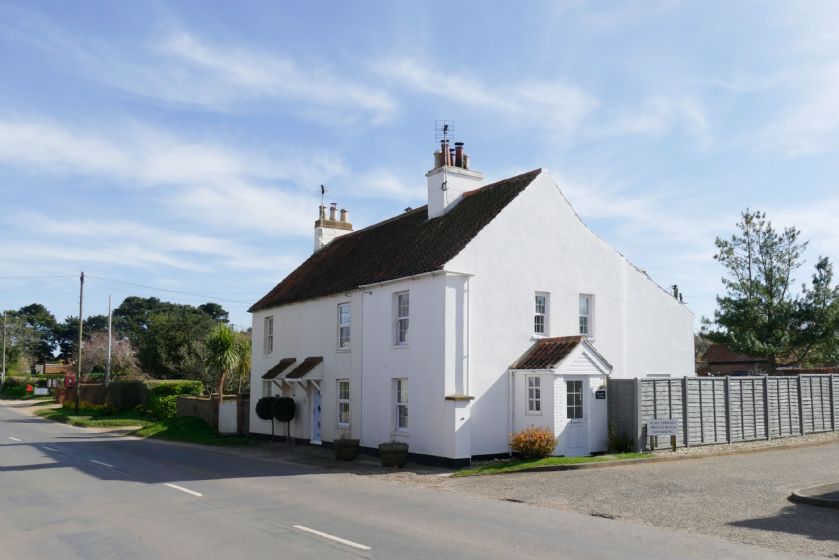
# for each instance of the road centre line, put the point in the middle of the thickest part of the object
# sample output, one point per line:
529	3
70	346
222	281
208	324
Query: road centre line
182	489
53	449
102	463
332	537
14	438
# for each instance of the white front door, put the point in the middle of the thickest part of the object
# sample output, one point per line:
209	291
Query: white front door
315	438
576	432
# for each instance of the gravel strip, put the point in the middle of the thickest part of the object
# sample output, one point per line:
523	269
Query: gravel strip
742	497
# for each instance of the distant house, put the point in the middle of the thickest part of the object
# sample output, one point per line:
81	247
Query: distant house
451	325
719	359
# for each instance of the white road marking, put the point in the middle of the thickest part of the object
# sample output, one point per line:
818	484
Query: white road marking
102	463
51	449
14	438
332	538
182	489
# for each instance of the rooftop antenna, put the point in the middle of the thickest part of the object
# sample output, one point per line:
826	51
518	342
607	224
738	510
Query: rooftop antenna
442	129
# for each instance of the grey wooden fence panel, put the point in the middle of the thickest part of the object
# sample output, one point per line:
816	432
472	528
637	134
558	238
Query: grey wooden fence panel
755	408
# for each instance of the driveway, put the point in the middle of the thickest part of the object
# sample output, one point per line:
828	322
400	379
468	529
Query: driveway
742	498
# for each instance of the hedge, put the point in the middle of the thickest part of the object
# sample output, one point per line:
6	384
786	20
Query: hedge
158	398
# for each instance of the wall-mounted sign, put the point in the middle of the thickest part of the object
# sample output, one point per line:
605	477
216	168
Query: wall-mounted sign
662	427
601	394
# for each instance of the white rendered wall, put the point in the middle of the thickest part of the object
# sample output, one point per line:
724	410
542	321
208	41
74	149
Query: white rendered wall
310	329
521	417
537	243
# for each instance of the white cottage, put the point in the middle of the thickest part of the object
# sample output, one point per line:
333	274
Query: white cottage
450	326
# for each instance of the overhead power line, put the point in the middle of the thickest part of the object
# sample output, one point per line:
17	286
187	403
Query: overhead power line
169	290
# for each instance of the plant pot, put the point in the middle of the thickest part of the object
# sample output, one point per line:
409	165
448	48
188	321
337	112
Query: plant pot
393	454
346	449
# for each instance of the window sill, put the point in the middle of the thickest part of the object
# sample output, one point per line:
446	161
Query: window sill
533	414
539	336
342	350
399	346
398	434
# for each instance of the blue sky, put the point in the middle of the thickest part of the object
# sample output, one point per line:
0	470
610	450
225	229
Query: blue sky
181	146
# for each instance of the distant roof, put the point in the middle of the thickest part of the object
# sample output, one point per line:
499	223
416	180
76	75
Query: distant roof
402	246
720	353
547	353
305	367
279	368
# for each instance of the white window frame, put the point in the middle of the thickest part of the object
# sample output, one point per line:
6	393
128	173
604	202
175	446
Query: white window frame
268	339
533	386
400	399
344	340
343	401
587	317
266	387
541	311
574	405
402	316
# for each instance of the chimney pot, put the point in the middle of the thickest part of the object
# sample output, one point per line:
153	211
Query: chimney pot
458	154
333	211
344	214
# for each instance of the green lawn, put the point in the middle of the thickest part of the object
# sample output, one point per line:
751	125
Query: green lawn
186	429
501	467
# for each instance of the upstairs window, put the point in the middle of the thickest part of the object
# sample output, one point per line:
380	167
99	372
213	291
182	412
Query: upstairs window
403	305
540	314
343	326
587	315
534	394
344	403
268	343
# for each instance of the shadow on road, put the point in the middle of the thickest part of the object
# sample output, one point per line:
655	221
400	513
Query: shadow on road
811	521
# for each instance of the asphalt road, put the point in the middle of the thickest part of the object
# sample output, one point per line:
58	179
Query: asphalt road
68	493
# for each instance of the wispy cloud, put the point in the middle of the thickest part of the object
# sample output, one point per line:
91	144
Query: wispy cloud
550	104
215	185
660	115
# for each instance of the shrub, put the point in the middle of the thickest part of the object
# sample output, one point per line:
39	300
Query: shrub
163	396
127	395
14	391
534	442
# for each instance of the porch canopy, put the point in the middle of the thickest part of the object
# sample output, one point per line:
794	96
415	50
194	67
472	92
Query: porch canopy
564	355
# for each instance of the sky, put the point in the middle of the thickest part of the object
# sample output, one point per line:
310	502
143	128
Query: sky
177	150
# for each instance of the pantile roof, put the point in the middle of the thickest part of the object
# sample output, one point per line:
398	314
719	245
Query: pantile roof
406	245
547	353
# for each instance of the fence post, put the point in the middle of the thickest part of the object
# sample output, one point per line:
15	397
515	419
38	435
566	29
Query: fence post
832	409
639	428
766	405
727	409
800	407
685	410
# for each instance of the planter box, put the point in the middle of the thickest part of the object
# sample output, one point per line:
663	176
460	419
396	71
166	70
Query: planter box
346	449
393	454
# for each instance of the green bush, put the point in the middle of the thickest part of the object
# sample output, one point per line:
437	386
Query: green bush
14	391
127	395
164	388
163	396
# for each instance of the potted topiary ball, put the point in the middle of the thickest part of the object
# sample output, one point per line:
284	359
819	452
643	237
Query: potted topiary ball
283	409
393	453
263	411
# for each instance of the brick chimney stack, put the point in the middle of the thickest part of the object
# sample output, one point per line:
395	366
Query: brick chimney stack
450	178
327	229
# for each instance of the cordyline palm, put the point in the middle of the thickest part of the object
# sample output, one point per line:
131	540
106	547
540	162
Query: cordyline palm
224	357
243	349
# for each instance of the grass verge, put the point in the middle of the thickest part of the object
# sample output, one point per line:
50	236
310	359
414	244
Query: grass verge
184	429
502	467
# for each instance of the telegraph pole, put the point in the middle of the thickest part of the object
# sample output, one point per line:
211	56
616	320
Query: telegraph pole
3	372
81	323
110	338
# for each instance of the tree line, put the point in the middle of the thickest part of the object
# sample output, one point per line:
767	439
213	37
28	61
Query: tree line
158	338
